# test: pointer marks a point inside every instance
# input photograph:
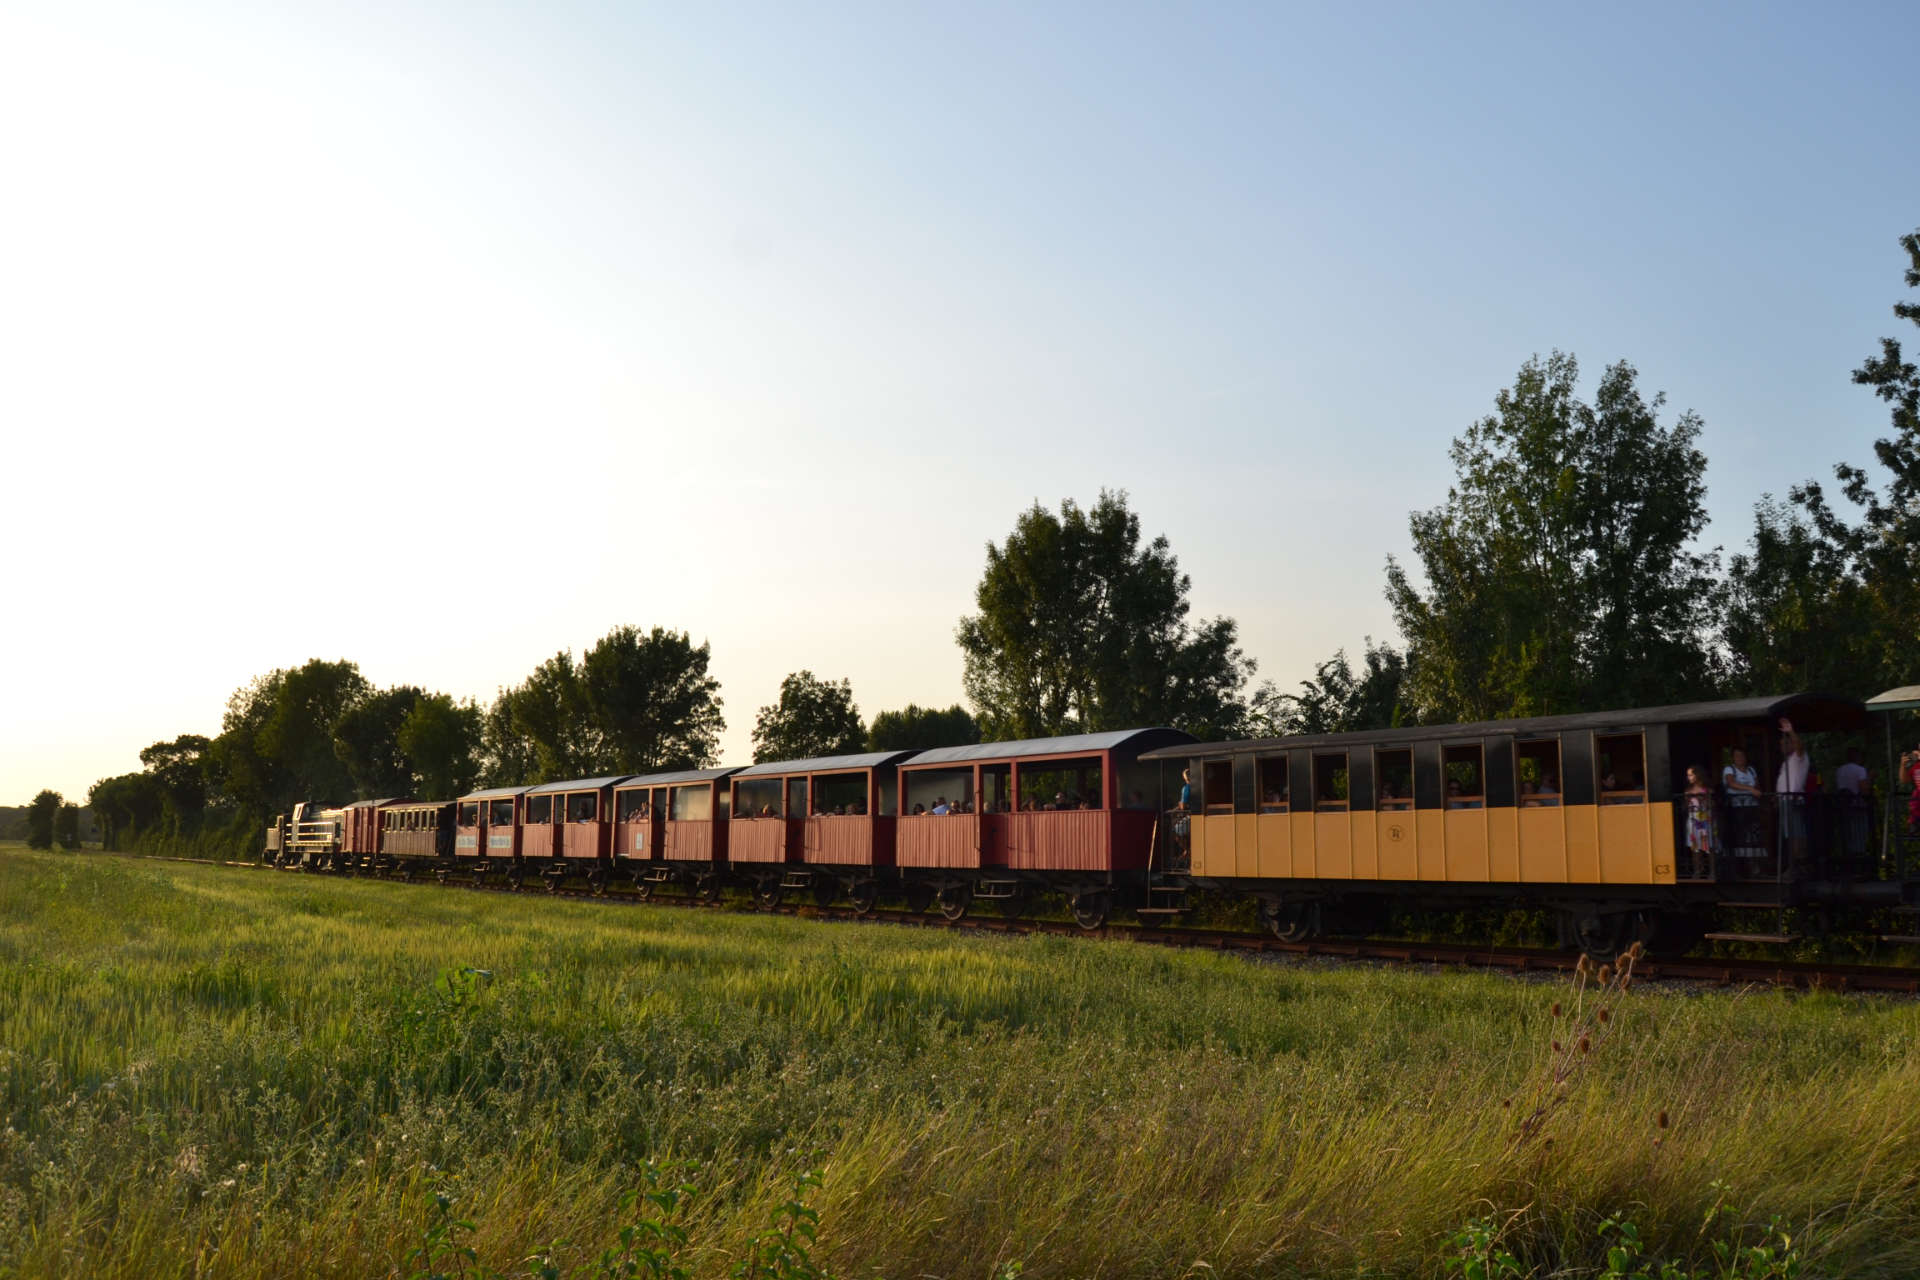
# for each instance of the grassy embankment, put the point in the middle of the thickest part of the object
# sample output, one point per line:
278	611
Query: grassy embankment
219	1072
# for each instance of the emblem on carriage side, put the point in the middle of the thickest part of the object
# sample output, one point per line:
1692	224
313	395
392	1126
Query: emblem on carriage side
1396	833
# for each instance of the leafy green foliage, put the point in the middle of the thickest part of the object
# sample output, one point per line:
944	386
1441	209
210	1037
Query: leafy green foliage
1336	700
41	812
1558	574
66	826
813	717
638	702
784	1251
1828	599
440	741
1082	628
366	738
915	727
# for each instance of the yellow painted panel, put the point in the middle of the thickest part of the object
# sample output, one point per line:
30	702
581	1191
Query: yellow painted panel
1626	850
1276	845
1466	844
1503	845
1303	863
1583	844
1246	845
1398	844
1664	852
1222	859
1197	845
1333	845
1366	856
1432	827
1543	844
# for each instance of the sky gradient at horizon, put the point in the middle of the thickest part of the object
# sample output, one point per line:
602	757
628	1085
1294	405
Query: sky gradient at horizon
759	324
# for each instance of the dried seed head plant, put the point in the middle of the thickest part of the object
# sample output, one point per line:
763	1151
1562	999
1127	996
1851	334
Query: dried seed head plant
1588	1025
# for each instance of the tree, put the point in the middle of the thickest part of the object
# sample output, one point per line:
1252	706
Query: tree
639	702
127	803
652	704
813	718
917	728
1795	617
366	740
183	769
40	815
1335	700
440	739
1081	628
1559	572
66	826
276	741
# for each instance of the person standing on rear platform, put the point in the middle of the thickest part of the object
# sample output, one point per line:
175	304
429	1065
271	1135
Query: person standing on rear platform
1700	833
1791	785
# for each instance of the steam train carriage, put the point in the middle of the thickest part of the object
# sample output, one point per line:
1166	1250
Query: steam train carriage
1586	815
1583	814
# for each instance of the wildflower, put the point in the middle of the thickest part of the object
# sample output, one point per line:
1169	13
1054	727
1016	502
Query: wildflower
1584	1044
1606	974
1662	1119
1556	1008
1556	1046
1604	1015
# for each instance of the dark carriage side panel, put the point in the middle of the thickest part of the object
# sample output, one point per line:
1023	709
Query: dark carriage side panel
1500	783
1576	766
1300	779
1428	791
1660	778
1359	780
1246	787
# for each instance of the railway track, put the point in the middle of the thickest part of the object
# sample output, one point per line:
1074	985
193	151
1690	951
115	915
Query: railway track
1719	972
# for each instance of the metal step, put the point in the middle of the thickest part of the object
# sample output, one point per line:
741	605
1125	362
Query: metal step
1158	911
1753	937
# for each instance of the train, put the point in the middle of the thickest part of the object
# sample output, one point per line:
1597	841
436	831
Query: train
1592	817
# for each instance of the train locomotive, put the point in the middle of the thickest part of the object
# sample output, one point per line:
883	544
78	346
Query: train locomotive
1590	817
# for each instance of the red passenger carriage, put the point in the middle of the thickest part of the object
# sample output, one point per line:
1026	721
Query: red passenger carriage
683	834
998	820
486	831
825	825
568	827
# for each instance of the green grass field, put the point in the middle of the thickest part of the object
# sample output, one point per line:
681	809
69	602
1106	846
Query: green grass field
218	1072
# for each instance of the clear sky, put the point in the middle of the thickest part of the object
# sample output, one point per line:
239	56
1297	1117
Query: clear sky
443	337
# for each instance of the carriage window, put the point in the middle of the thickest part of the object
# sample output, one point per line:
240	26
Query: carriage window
929	790
1394	769
1621	762
500	813
539	810
1063	784
839	794
470	813
996	789
632	806
1273	784
1217	786
1466	777
757	798
1330	783
693	804
1539	773
583	808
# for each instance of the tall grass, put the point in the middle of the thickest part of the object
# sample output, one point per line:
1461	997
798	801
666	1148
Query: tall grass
210	1072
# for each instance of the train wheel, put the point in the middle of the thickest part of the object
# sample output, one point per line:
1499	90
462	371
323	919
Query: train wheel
825	891
954	901
642	889
1090	910
597	883
768	894
862	896
1600	937
1014	905
1292	921
919	897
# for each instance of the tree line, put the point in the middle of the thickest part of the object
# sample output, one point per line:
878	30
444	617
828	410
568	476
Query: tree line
1560	573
